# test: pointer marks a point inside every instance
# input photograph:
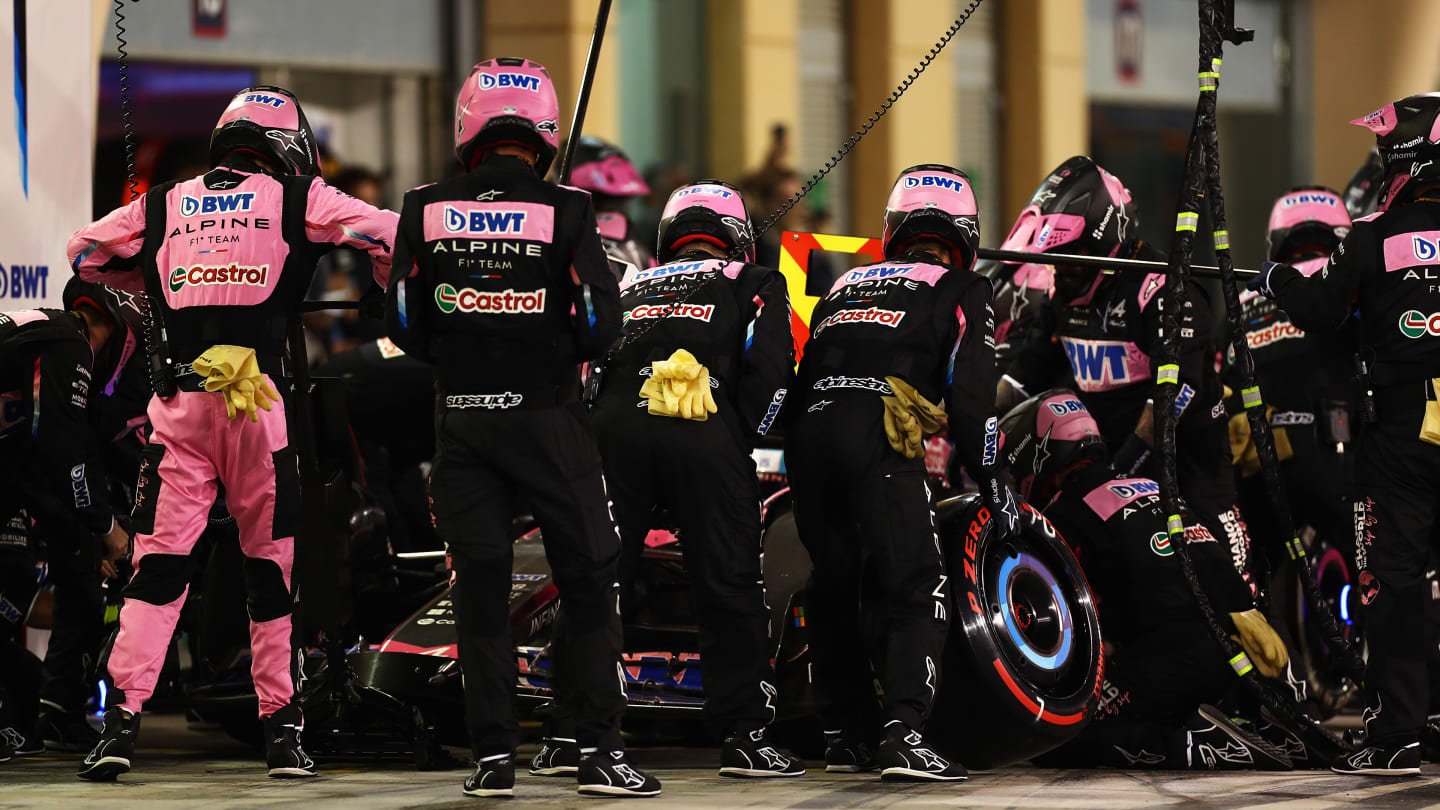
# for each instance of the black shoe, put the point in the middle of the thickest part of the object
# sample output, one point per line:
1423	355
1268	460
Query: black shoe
1430	740
751	754
906	757
112	753
1375	760
494	776
559	756
20	743
1302	757
608	773
66	731
283	754
1213	742
847	753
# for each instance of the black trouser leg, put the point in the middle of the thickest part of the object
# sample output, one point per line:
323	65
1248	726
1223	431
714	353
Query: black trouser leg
79	625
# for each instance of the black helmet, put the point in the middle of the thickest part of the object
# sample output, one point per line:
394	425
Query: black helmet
267	120
709	210
932	200
1306	216
1044	436
1407	134
126	311
1362	195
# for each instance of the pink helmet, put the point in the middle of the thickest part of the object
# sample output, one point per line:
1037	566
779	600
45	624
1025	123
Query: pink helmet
508	100
1079	204
267	120
1046	435
601	168
708	210
1306	216
932	200
1407	133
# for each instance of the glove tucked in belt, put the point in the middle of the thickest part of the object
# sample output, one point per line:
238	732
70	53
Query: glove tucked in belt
679	387
909	418
234	372
1260	642
1242	444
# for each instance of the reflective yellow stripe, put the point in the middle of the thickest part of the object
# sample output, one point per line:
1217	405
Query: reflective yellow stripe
1251	397
1169	373
1222	240
1187	221
1175	525
1241	664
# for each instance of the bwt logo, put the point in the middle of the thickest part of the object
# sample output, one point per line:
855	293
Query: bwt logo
519	81
879	271
488	223
1134	489
934	181
717	191
1309	199
1426	250
1065	407
1100	363
260	98
1044	235
234	202
670	270
992	442
23	281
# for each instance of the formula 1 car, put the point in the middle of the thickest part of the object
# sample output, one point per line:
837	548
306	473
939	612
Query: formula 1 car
1024	662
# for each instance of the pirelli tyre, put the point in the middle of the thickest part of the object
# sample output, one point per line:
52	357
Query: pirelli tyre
1024	663
1313	658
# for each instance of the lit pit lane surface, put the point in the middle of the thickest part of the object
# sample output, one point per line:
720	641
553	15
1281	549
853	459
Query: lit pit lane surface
181	768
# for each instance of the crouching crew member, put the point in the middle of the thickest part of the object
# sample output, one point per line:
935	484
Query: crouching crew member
888	341
504	288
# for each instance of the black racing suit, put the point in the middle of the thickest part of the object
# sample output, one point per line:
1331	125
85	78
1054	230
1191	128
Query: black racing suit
1110	337
1022	296
52	470
1305	379
863	510
735	319
1165	661
502	286
1388	271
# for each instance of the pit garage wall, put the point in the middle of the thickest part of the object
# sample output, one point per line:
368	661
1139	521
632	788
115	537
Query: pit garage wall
47	132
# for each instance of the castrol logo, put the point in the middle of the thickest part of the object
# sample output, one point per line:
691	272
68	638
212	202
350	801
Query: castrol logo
1417	324
871	315
204	276
505	302
699	312
1273	334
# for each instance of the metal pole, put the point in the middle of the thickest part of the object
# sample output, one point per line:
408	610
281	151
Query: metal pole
582	101
1055	259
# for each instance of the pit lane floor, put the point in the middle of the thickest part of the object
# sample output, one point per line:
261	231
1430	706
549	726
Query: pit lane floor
178	767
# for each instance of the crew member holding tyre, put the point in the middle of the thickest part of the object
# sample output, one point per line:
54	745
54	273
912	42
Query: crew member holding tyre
225	259
504	288
733	319
1166	667
1385	272
887	342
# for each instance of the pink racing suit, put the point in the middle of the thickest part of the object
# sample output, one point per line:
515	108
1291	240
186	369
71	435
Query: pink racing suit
226	258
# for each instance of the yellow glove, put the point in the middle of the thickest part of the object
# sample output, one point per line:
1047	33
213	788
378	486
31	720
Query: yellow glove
235	373
1260	642
910	417
1242	444
679	387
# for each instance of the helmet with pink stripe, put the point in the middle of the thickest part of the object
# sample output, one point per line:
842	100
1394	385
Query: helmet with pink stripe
1047	435
1407	133
709	211
267	121
1306	218
601	168
1362	193
508	100
1079	208
934	201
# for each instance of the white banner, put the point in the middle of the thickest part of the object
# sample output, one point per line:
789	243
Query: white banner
47	143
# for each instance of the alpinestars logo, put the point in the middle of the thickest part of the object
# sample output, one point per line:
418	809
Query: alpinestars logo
505	302
502	401
1141	757
1229	752
871	315
206	276
698	312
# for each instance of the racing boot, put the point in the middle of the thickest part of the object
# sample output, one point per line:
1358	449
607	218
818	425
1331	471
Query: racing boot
283	754
750	754
906	757
1213	742
1378	760
493	776
20	743
559	756
65	730
112	754
847	753
609	773
1429	739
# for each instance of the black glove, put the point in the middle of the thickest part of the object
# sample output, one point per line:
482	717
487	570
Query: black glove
372	303
1260	282
1001	502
